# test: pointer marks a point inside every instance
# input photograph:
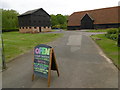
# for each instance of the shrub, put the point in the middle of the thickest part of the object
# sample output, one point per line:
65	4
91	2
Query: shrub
108	35
112	31
112	36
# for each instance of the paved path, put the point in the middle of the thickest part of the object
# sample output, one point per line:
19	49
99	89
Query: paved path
79	61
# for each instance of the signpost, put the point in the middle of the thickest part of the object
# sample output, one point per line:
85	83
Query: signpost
3	56
44	61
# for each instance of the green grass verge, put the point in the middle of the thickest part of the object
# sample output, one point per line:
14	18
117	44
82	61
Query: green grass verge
109	47
99	30
102	30
16	43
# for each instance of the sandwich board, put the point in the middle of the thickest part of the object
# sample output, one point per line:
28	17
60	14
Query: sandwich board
44	61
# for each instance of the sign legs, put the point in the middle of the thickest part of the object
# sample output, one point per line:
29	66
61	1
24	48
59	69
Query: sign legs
49	71
33	77
55	62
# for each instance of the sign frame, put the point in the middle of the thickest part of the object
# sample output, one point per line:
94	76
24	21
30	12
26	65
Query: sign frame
52	60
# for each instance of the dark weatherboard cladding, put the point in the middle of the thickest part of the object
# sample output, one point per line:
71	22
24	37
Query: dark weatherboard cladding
34	21
41	60
34	18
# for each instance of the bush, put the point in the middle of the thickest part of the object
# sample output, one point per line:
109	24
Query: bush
108	35
112	31
112	36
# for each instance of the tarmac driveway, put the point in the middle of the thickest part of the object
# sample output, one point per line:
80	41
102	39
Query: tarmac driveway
79	61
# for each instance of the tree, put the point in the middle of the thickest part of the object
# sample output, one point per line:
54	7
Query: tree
59	21
9	19
54	20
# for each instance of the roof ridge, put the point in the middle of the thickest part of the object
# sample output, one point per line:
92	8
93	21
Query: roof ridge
97	9
30	11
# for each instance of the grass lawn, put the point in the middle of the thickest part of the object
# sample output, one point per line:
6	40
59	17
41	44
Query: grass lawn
102	30
109	47
99	30
16	43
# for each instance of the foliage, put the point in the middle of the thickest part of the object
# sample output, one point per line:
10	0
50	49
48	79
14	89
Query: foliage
9	19
16	43
112	31
112	34
59	21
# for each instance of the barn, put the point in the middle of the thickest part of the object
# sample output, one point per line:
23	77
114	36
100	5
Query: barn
34	21
94	19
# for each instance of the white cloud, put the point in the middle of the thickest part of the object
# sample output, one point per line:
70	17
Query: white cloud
58	6
4	5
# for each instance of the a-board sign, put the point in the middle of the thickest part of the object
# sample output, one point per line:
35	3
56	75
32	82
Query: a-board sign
41	60
44	61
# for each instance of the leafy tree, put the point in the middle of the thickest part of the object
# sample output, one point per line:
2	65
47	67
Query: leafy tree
59	21
54	20
9	19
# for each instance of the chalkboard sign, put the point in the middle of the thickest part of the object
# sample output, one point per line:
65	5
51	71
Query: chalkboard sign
41	60
44	61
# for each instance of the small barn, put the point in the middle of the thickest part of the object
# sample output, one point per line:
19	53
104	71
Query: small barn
34	21
94	19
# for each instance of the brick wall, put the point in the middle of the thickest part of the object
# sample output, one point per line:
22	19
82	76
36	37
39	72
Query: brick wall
45	29
34	29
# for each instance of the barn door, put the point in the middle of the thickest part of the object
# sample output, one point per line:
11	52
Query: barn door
39	29
87	22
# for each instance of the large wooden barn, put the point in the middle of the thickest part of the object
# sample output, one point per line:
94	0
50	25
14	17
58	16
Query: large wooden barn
94	19
34	21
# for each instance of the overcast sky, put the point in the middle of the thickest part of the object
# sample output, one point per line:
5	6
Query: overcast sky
65	7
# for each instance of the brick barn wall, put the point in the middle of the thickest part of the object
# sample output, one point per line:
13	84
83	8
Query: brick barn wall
45	29
34	29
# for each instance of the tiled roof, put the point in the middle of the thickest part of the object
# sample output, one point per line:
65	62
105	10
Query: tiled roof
32	11
100	16
29	12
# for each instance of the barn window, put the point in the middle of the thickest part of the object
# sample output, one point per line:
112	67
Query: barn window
35	27
30	27
23	27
